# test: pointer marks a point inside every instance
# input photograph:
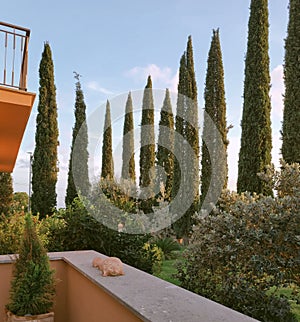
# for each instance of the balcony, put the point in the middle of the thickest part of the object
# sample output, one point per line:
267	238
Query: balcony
15	102
84	295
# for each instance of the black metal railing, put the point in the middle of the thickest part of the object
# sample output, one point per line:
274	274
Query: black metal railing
13	55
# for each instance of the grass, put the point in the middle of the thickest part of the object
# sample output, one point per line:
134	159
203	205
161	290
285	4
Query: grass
288	293
168	268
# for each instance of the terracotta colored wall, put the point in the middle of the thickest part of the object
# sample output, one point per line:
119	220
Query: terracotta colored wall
88	302
77	298
5	277
60	305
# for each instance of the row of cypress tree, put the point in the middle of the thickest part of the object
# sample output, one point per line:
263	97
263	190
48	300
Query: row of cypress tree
255	151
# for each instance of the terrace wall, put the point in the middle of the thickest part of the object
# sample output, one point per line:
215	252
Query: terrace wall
84	295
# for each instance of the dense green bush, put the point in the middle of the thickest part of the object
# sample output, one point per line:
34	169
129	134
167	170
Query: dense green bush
11	230
75	228
155	255
168	246
249	245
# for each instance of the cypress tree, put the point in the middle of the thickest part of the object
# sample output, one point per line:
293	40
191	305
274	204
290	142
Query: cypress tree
192	127
215	111
44	165
147	151
80	158
107	171
188	130
33	283
128	163
6	192
291	113
256	140
165	147
179	129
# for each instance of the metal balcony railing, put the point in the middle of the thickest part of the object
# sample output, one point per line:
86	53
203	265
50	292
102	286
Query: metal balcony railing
13	55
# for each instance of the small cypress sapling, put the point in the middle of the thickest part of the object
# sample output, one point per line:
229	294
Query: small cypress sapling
33	284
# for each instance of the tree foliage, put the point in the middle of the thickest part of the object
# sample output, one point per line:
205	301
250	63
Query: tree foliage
128	162
80	158
186	168
249	246
165	148
147	150
291	113
214	142
179	129
107	171
33	284
256	140
44	166
6	192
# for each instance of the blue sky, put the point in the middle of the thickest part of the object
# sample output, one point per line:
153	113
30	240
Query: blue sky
115	44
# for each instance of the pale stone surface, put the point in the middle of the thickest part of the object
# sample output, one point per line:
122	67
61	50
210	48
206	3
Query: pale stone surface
150	298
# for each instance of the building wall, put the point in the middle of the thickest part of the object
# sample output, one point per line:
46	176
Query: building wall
83	294
77	298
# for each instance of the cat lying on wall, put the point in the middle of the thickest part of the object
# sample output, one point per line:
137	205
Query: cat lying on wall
110	266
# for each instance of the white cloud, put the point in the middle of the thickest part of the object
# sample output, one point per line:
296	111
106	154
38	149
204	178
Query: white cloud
161	77
277	90
95	86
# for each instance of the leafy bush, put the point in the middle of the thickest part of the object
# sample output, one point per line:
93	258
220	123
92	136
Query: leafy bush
155	254
75	229
20	202
168	245
11	230
246	246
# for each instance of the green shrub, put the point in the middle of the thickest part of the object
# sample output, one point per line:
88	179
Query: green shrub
249	245
11	230
155	255
168	245
33	284
75	228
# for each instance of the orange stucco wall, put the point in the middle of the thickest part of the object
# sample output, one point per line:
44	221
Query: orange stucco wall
5	277
77	298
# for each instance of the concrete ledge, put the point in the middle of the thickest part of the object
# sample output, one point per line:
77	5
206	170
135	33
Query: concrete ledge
148	297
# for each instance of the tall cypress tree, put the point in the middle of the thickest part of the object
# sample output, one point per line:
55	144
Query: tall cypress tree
44	166
78	164
107	171
192	127
165	147
215	111
6	192
291	113
147	151
128	163
179	129
188	138
256	140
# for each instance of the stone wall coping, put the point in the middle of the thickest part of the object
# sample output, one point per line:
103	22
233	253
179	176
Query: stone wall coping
148	297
